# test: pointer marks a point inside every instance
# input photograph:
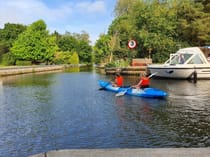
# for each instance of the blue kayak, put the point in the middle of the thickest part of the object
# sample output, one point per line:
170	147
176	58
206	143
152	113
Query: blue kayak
146	92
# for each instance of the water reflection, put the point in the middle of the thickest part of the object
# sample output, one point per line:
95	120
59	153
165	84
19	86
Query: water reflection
42	112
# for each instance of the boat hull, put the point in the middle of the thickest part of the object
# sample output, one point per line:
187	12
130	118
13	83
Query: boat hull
146	92
180	71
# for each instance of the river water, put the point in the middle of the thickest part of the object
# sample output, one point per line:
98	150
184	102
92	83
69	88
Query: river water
65	110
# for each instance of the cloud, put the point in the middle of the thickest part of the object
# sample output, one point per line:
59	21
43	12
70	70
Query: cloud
28	11
91	7
63	15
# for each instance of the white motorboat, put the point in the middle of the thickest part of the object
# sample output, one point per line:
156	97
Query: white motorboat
185	63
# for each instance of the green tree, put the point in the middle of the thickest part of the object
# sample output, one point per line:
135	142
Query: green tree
10	32
193	22
84	51
67	43
160	27
102	49
35	44
84	36
76	43
8	35
74	59
155	25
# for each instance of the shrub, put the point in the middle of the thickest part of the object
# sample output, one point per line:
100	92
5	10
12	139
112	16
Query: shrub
21	62
74	59
7	59
111	64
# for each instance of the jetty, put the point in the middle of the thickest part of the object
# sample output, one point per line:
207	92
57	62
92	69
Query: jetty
138	65
131	70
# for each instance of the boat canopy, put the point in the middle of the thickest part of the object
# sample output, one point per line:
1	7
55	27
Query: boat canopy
191	55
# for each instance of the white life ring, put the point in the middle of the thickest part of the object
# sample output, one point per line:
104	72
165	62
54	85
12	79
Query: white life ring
132	44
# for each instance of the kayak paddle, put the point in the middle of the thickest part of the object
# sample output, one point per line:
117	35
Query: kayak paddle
123	92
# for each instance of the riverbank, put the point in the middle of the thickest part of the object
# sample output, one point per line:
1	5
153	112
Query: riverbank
144	152
17	70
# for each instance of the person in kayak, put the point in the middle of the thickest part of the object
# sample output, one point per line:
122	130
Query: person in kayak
118	82
144	82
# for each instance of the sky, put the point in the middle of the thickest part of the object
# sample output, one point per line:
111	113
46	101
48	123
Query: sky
74	16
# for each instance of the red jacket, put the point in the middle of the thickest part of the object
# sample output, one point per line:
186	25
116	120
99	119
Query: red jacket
145	81
119	81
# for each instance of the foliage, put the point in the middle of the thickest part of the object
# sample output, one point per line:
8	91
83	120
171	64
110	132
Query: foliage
7	59
84	36
8	35
102	49
10	32
117	63
159	26
67	43
110	64
62	57
35	44
74	59
76	43
23	63
4	47
66	58
194	25
84	51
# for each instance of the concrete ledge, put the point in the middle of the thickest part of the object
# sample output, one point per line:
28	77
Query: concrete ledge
28	69
144	152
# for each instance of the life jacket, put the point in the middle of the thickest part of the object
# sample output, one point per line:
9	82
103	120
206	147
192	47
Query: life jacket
145	81
119	81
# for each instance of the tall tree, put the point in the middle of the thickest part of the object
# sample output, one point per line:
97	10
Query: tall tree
102	49
193	23
67	43
8	35
83	36
35	44
84	51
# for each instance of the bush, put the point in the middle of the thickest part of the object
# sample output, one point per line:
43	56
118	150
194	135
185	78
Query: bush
74	59
117	63
66	58
111	64
7	59
20	63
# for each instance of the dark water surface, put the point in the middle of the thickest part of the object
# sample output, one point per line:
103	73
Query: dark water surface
42	112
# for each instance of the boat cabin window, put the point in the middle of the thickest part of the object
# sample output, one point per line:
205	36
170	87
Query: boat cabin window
187	56
196	60
174	59
179	58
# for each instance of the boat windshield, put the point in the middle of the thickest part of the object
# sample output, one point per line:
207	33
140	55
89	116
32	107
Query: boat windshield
179	58
197	59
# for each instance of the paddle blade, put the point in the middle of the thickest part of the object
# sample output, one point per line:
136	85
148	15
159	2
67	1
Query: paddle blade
102	88
121	93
